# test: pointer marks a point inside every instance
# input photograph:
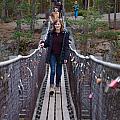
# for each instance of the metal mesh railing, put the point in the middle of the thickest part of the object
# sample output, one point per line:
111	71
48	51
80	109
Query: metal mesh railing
94	87
20	81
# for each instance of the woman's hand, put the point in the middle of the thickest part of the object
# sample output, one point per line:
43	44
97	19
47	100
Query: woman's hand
41	44
65	61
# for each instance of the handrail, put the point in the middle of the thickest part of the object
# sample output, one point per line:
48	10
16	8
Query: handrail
91	57
79	55
23	57
107	64
17	58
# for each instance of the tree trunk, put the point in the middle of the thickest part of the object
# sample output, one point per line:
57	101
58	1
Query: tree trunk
85	4
29	1
94	3
109	19
88	4
115	9
18	29
4	10
33	16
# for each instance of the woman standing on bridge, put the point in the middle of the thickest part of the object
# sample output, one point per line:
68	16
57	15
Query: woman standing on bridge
58	52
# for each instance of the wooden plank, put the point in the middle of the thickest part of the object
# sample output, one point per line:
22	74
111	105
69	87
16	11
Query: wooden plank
46	100
58	107
64	99
51	108
50	112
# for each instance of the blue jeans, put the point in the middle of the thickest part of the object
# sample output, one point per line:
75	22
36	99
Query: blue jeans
76	13
55	67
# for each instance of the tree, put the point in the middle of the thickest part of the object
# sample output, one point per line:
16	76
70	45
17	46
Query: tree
115	9
105	7
18	29
4	15
33	15
85	4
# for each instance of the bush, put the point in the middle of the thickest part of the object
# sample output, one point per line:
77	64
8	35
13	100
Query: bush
6	19
82	12
108	35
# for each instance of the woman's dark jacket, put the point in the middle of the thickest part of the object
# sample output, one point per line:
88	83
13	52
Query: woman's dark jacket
65	46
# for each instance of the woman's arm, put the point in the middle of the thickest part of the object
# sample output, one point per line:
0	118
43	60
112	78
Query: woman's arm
66	46
45	43
51	17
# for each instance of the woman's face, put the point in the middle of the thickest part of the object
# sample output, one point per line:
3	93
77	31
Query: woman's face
58	25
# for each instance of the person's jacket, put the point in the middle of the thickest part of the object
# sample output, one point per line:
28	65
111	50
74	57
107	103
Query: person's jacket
76	7
65	46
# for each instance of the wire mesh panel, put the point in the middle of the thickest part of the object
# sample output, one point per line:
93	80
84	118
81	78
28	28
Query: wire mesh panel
20	82
9	94
105	101
79	74
95	87
30	74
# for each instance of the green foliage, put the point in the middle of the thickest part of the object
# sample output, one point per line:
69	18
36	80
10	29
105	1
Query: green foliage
82	38
118	44
69	5
0	9
82	12
25	38
23	6
6	19
90	22
26	20
108	35
17	34
10	5
71	22
22	47
26	34
94	26
105	4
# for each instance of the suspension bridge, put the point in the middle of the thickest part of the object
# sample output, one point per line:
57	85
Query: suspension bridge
90	88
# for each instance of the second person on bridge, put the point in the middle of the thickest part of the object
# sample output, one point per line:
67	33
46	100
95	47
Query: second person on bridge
57	43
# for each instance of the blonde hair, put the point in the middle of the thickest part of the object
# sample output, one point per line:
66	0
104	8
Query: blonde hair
61	22
76	1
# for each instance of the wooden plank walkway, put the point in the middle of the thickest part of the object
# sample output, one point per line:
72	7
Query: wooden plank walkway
55	107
